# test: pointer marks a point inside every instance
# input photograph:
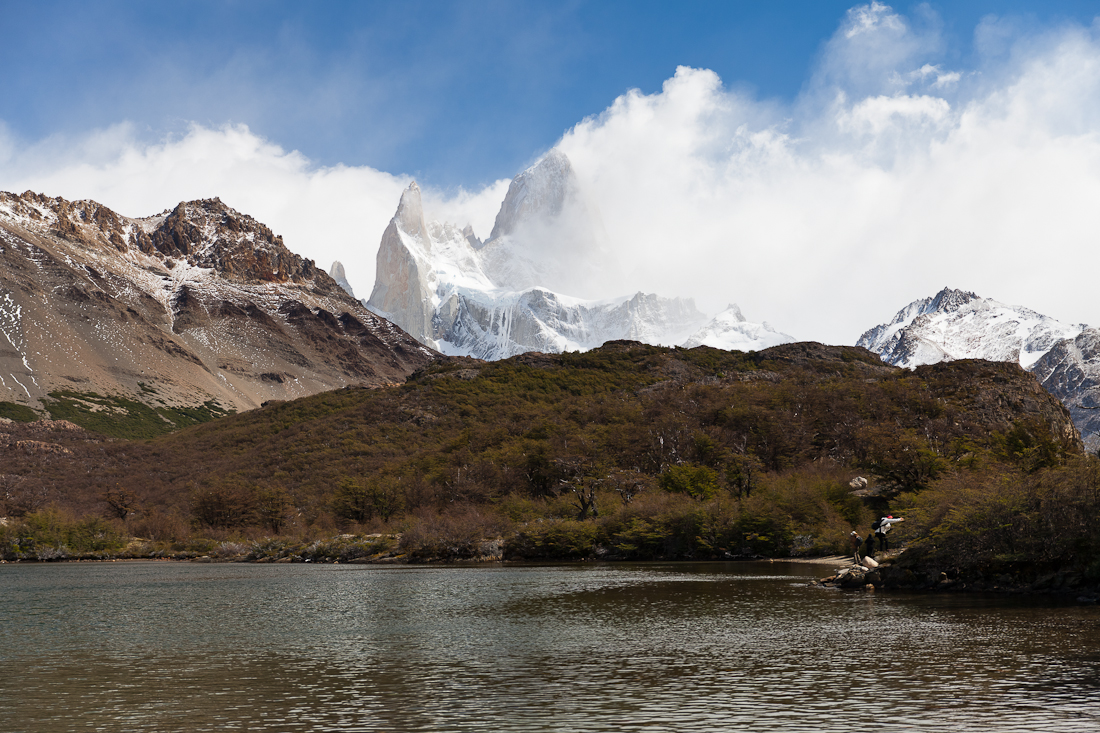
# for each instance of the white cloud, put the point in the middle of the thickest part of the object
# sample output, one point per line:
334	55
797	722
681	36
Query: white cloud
827	221
872	19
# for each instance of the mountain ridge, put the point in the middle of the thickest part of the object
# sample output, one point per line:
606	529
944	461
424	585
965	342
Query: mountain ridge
198	304
956	324
502	297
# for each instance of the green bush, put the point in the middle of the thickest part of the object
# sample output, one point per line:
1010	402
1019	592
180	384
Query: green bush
699	482
52	534
566	539
18	413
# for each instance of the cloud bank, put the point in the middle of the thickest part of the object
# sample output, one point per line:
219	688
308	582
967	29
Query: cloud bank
895	172
891	176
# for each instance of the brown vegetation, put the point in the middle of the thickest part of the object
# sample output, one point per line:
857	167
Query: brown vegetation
628	451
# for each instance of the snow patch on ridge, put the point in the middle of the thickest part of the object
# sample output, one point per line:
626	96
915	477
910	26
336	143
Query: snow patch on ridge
730	331
954	324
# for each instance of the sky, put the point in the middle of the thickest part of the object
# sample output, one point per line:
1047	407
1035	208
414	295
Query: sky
819	163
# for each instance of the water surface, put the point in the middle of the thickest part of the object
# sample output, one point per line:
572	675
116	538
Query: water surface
643	647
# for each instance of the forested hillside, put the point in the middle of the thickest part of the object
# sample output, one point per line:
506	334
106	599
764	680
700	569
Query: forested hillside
627	451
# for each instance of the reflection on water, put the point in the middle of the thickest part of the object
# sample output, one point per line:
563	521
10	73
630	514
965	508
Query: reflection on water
753	647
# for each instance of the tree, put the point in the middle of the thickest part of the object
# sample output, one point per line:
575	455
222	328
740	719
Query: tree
272	506
700	482
352	500
741	473
223	504
359	500
121	502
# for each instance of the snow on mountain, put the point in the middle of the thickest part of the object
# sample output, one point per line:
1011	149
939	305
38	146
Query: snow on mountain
197	304
496	299
954	324
420	267
729	330
545	235
1071	372
499	324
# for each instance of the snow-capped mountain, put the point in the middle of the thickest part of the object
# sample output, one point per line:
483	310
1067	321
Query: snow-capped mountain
730	331
954	324
546	236
1071	372
505	296
199	303
498	324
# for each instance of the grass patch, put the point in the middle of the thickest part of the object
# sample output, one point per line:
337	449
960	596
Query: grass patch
19	413
119	417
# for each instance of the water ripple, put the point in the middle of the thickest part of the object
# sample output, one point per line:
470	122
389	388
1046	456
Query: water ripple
177	647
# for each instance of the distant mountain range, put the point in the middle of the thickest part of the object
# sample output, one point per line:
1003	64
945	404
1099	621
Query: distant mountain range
954	324
203	305
527	287
198	305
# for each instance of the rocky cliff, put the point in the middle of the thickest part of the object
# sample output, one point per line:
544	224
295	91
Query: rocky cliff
1071	372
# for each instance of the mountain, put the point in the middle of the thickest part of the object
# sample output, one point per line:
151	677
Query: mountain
198	305
545	235
336	272
1071	372
506	296
730	331
954	324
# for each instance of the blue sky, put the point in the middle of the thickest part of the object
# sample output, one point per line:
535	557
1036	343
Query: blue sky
455	93
819	163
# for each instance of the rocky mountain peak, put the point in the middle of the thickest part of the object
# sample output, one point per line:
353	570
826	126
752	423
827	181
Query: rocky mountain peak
471	238
196	305
209	234
336	272
540	192
205	233
87	223
410	214
949	301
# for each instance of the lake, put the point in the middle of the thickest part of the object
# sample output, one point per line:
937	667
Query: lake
587	647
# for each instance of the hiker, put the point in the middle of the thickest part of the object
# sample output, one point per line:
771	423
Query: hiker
869	545
882	526
855	541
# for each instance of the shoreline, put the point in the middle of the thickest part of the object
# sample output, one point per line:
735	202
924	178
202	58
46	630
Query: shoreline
888	577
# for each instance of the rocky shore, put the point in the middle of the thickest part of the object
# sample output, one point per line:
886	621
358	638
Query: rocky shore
900	570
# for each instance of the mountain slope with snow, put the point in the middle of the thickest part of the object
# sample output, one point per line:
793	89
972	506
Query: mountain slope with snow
506	296
197	304
730	331
954	324
1071	372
